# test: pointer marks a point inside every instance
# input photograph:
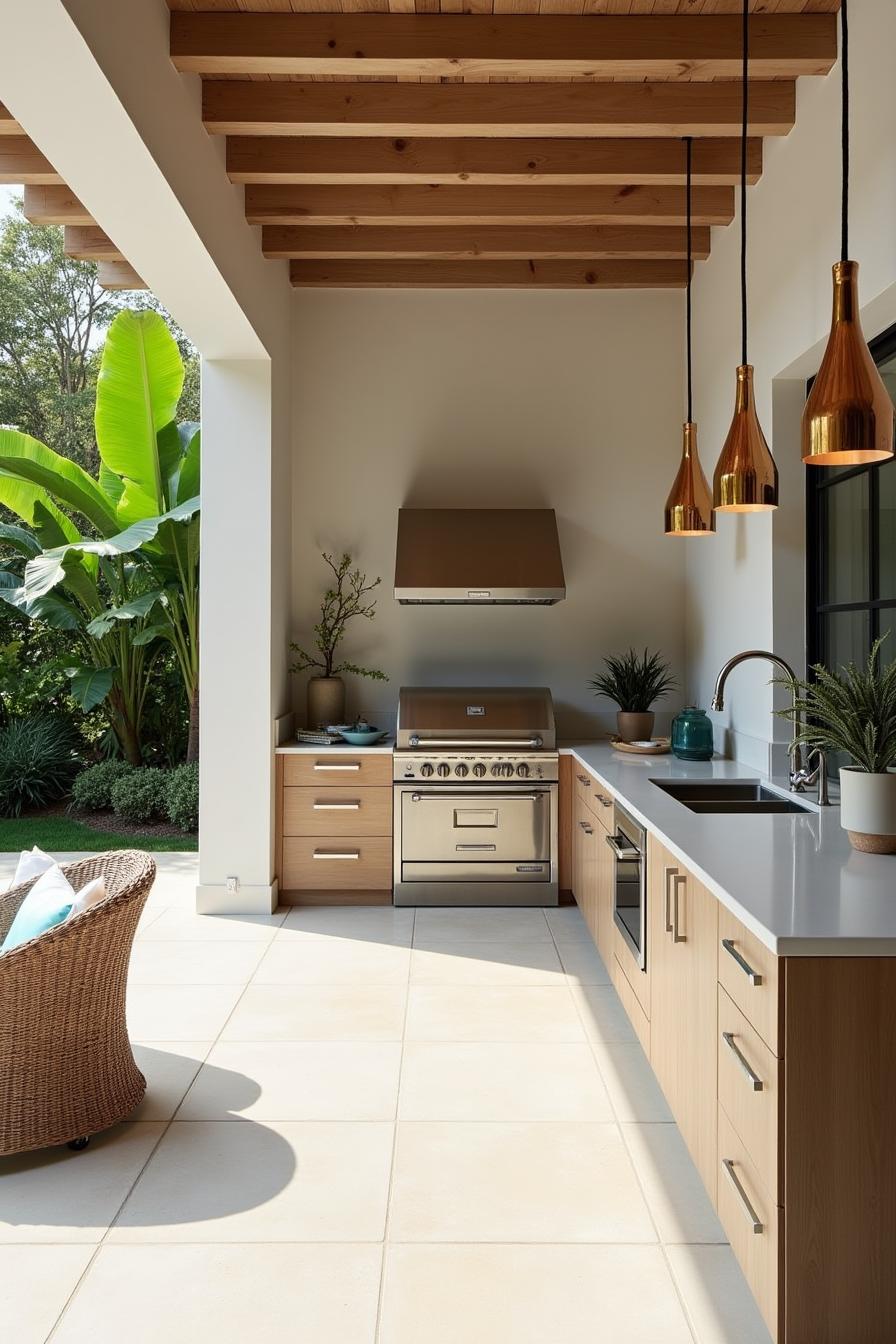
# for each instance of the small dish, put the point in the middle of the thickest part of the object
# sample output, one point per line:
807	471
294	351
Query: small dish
365	737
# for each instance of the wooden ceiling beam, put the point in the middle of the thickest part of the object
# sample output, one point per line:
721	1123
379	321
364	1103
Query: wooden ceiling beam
515	46
54	205
8	123
487	274
89	243
22	162
492	242
241	107
478	205
118	275
296	160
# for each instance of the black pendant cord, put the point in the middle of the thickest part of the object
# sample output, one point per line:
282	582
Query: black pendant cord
689	148
844	71
743	183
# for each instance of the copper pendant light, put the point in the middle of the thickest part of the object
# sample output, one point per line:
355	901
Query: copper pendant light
746	478
689	506
848	418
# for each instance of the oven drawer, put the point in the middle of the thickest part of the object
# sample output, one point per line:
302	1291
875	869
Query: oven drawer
466	871
478	826
330	766
346	863
337	811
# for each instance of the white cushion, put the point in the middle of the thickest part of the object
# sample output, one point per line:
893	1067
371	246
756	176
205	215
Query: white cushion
32	862
92	894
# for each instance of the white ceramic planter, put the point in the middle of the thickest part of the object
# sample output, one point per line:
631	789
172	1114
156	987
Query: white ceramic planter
868	810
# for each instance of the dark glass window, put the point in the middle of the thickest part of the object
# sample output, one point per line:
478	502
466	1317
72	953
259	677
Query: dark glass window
851	550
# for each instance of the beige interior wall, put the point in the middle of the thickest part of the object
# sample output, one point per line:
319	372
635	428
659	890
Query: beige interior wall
492	399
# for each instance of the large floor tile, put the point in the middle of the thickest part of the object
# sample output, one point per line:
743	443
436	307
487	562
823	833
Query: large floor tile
491	1013
603	1016
674	1191
289	1080
196	963
530	1295
333	961
318	1013
59	1196
631	1083
552	1182
566	923
35	1284
355	923
178	925
716	1297
479	924
476	1081
179	1012
226	1294
169	1068
582	962
480	963
227	1182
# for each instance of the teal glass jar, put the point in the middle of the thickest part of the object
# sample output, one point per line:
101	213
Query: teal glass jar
692	735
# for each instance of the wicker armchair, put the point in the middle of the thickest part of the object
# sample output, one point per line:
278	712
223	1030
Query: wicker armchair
66	1066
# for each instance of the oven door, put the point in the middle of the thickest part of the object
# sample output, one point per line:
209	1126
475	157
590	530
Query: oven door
629	845
475	846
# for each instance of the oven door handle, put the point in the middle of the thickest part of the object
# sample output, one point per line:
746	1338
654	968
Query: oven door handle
508	742
621	848
441	797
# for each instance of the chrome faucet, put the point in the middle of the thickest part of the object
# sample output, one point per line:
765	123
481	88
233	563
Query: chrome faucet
798	774
817	776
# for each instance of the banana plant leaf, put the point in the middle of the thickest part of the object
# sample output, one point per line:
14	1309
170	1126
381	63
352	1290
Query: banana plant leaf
25	461
90	685
140	382
45	571
128	611
21	539
55	610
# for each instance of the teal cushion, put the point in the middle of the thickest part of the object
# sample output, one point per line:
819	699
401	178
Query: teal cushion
47	904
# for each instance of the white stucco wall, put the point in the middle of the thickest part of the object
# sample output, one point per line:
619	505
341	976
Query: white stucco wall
746	589
493	399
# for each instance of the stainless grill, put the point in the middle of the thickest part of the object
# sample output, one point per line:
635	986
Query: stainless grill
475	771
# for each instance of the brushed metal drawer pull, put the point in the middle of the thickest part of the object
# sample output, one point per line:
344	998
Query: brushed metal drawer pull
586	828
753	1078
336	807
604	800
463	848
668	874
584	780
753	976
749	1211
343	765
336	854
678	880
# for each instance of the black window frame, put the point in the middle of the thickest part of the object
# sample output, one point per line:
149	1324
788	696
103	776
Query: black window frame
818	480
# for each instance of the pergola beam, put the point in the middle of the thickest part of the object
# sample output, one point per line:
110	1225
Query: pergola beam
89	243
55	205
118	275
488	274
22	162
515	46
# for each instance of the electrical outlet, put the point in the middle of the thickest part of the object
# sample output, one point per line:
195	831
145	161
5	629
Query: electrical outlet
232	884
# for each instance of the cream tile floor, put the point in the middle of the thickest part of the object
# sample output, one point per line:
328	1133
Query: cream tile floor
366	1127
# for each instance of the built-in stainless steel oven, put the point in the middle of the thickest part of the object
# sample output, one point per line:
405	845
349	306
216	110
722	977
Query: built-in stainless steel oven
629	845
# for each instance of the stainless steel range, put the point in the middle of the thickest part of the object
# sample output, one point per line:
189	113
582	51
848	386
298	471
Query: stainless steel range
475	773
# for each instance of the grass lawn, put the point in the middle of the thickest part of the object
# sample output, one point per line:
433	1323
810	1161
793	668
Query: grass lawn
63	833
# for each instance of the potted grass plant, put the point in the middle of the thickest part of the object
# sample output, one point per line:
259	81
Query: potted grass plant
852	712
634	682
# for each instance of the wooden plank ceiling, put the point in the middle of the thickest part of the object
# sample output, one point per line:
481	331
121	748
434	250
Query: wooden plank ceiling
494	143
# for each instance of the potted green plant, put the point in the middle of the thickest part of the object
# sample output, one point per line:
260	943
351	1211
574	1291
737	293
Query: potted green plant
347	597
852	712
634	682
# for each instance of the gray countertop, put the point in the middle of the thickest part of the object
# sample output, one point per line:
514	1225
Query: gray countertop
791	878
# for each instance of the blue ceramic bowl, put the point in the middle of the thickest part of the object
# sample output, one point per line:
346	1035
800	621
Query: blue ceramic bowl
362	739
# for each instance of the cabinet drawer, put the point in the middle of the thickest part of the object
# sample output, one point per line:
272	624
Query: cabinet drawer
630	1002
749	973
344	863
594	795
337	767
750	1218
749	1089
337	810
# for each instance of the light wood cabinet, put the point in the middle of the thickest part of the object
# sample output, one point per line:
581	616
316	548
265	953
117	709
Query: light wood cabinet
681	949
749	973
749	1089
337	768
751	1219
586	841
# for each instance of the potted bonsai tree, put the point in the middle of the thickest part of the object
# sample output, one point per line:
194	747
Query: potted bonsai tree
852	712
347	597
634	682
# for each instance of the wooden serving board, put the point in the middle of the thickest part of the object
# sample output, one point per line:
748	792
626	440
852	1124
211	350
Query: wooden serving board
660	747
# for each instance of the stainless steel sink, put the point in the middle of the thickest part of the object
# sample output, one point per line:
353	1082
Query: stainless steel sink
728	795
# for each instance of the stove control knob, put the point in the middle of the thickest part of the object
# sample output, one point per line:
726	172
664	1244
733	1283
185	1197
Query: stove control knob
523	770
426	770
506	770
444	769
496	770
461	770
478	769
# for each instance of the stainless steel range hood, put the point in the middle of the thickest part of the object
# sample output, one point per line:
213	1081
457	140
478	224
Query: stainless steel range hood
479	557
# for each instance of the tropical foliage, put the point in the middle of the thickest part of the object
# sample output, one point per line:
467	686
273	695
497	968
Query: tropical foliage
347	597
634	681
37	762
112	559
852	710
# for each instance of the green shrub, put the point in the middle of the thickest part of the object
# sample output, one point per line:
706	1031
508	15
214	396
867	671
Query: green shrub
37	762
92	789
183	797
139	796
